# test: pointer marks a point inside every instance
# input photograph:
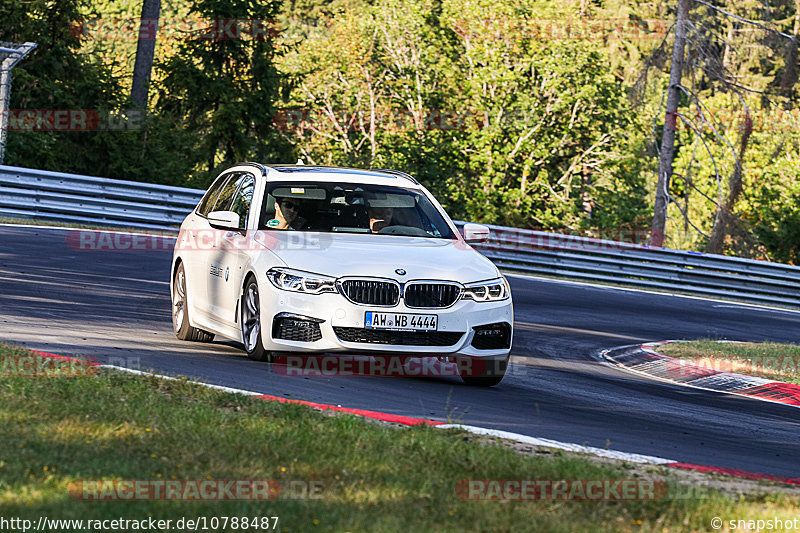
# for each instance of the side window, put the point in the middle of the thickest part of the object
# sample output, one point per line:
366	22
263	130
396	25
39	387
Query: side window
243	199
226	193
204	208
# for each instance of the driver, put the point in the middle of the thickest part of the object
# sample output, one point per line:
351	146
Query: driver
286	211
380	217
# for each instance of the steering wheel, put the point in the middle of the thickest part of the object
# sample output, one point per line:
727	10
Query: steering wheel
409	231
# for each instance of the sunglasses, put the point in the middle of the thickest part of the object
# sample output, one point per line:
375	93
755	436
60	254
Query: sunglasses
290	205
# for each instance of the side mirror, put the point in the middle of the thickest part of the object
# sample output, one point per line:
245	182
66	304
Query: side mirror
475	233
224	220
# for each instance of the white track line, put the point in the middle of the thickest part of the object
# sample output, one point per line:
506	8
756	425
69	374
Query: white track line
525	439
191	381
568	446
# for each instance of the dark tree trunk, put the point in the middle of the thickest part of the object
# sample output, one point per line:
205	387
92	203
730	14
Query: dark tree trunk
145	51
670	123
725	213
789	78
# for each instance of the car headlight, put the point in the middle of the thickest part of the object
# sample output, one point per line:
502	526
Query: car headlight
492	290
288	279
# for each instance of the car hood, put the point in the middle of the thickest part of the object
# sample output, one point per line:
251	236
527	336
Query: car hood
379	256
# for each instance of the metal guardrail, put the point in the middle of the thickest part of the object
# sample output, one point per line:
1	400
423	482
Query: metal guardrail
78	199
599	260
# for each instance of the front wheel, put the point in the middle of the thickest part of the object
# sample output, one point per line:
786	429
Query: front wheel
251	323
479	372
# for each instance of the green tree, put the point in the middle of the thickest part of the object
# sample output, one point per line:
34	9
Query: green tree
550	120
513	127
61	75
221	85
55	76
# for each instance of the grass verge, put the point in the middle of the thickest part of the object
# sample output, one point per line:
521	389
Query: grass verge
770	360
376	477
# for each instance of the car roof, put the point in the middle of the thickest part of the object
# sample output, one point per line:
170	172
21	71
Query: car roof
339	174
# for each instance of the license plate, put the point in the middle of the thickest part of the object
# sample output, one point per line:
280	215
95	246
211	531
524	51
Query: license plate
400	321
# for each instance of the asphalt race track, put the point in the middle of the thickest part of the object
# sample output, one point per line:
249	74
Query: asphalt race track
115	307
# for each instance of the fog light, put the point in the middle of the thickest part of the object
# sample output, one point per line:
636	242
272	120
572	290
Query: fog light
492	336
291	327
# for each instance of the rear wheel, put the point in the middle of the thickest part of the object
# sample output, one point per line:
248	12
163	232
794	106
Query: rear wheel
482	372
180	311
251	323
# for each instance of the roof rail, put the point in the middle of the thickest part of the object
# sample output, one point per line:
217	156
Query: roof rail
261	167
312	168
397	173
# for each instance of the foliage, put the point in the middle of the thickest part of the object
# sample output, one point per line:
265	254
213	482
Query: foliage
54	76
772	208
221	90
59	76
553	118
521	112
738	71
515	129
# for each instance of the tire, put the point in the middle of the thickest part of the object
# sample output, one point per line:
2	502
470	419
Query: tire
250	321
483	376
180	311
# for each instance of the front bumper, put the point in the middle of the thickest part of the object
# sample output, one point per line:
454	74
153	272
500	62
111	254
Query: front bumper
339	326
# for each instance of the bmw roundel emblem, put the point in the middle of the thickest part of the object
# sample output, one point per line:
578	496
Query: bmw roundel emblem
400	272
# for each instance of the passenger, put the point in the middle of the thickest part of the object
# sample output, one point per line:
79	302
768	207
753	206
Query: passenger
380	217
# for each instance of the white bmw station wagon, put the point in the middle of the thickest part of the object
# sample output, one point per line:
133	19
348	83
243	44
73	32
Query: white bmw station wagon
323	260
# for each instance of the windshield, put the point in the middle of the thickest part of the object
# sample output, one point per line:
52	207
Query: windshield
351	208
